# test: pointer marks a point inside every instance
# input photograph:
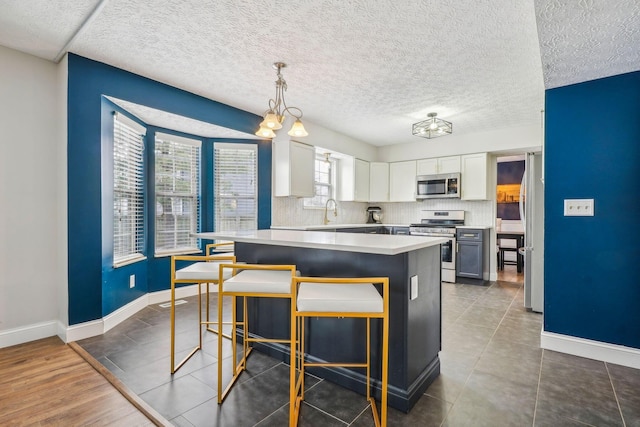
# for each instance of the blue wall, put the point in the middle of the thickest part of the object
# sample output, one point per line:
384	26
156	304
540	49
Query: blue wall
592	150
95	287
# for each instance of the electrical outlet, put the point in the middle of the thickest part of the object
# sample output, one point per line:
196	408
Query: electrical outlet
414	287
578	207
132	281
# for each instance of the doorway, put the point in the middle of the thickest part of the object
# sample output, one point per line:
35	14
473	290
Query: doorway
510	172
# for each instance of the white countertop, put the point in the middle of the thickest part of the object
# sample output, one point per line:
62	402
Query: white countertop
476	227
383	244
331	226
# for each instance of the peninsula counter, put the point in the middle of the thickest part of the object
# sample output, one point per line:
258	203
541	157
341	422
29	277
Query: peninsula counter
412	264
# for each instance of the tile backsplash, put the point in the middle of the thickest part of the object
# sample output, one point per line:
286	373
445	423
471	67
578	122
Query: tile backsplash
290	211
477	212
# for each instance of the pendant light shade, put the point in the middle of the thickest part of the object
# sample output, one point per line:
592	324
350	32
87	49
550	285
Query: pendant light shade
271	121
298	129
275	115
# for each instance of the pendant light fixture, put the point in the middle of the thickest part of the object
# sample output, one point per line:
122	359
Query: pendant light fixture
275	115
433	127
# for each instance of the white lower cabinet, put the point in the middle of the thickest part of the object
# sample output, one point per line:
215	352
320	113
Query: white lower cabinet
402	181
294	165
474	176
378	182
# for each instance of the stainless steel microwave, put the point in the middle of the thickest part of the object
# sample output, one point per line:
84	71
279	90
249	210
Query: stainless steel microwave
445	185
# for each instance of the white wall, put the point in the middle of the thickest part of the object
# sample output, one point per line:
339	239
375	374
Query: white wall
326	138
32	257
510	140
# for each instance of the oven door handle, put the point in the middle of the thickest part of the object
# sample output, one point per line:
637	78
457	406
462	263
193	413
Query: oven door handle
433	235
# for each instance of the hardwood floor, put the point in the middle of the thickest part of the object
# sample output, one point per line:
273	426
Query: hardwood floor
510	274
45	382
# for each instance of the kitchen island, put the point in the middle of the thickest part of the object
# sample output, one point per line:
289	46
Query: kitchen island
412	264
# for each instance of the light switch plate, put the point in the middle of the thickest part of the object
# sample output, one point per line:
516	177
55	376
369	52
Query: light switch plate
414	287
578	207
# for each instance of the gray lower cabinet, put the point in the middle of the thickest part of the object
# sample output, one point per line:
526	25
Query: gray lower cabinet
400	230
469	256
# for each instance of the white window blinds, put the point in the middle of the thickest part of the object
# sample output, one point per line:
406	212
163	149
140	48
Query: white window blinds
128	190
235	186
177	193
323	182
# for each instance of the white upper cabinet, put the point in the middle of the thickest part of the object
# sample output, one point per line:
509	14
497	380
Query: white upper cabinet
362	181
474	176
353	180
437	165
294	165
378	182
402	181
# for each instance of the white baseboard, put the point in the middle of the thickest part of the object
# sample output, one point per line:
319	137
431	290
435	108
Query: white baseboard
92	328
28	333
610	353
164	296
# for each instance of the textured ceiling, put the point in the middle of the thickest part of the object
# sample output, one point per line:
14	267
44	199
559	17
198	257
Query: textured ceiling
584	40
365	68
160	118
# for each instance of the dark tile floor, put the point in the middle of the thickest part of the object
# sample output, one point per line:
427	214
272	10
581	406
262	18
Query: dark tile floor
493	373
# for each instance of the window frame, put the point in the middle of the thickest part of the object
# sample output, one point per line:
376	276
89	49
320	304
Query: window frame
132	166
308	202
194	195
219	200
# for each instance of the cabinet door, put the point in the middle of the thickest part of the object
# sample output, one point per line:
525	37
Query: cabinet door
379	182
427	167
469	260
402	181
474	168
449	164
302	165
361	192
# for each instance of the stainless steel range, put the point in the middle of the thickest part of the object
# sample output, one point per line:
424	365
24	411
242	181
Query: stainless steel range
442	224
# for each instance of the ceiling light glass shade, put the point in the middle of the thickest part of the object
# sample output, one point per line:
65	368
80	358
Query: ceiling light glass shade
271	121
275	115
298	129
432	127
265	132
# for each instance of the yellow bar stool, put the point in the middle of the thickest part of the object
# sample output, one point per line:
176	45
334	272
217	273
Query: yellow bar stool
339	297
250	280
201	270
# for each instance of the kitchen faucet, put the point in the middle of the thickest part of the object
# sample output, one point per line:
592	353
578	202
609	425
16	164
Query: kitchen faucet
326	208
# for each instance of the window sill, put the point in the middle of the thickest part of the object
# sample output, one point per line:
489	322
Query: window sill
129	260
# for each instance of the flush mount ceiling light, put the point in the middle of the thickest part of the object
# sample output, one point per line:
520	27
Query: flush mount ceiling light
432	127
275	115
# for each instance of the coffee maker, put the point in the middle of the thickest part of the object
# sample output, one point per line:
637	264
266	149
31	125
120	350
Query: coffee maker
375	215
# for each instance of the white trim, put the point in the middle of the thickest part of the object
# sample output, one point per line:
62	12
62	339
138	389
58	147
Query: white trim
84	330
610	353
123	313
28	333
92	328
100	326
164	296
